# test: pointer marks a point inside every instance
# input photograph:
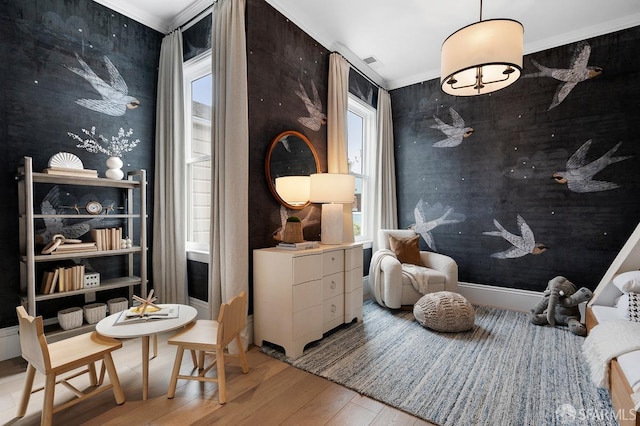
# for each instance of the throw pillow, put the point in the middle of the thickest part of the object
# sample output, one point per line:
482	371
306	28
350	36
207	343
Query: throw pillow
628	282
407	249
634	307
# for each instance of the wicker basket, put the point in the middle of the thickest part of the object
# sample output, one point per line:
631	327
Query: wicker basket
118	304
292	233
70	318
94	312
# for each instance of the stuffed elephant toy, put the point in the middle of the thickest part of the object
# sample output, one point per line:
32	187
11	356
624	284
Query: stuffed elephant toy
560	305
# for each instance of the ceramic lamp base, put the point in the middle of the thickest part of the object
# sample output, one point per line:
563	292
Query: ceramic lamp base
332	227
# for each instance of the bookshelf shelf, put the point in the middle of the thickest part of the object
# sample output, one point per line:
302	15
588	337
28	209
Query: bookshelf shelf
133	190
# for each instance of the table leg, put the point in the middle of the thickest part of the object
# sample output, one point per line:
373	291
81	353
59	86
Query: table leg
145	367
155	345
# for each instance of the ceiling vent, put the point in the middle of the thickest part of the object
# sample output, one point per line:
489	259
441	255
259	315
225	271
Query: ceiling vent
370	60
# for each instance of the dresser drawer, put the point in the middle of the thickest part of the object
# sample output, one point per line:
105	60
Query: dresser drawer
332	285
333	313
332	262
307	323
353	258
353	279
306	295
306	268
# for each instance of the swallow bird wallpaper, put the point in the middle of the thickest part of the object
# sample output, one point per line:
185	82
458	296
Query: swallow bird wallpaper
545	172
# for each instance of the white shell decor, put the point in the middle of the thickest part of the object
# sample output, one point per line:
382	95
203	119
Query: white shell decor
65	160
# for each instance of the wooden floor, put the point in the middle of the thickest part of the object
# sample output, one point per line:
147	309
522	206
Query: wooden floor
273	393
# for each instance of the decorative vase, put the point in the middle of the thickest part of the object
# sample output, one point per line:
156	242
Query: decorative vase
292	233
114	170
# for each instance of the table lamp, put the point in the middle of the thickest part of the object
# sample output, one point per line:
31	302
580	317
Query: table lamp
294	190
333	190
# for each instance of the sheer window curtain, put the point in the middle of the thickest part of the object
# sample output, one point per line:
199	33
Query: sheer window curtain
383	204
337	107
169	234
229	255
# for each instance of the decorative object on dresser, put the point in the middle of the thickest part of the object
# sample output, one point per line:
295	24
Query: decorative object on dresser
394	282
299	295
293	230
334	190
63	270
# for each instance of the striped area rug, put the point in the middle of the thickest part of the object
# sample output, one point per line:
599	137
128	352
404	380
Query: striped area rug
506	371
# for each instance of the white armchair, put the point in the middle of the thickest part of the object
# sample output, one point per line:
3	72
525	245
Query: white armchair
393	288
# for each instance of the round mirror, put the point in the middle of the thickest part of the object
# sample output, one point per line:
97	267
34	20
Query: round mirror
290	154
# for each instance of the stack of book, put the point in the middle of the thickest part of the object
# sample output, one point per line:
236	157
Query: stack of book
76	247
63	279
107	238
299	246
63	171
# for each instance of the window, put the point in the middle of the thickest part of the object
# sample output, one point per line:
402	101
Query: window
360	140
197	78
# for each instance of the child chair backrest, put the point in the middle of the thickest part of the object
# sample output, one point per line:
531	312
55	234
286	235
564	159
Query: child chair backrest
33	341
232	318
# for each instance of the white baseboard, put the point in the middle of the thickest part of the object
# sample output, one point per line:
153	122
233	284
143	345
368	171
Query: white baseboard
500	297
9	343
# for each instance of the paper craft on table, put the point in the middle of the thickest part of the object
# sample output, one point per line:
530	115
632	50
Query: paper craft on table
132	315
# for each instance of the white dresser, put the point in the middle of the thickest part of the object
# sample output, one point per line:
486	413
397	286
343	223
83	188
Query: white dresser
301	294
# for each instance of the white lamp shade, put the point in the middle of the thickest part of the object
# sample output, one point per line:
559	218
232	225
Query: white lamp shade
293	190
332	188
491	45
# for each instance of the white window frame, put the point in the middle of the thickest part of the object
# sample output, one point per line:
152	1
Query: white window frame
368	114
193	69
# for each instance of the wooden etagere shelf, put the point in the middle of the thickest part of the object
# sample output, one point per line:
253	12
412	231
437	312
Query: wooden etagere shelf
30	256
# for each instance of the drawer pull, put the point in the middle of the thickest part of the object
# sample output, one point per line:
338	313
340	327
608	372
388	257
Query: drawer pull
333	285
333	309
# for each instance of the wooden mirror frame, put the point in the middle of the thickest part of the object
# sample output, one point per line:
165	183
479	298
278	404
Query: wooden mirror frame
272	174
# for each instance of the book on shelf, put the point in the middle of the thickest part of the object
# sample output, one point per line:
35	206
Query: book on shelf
63	279
132	315
107	238
64	248
299	246
63	171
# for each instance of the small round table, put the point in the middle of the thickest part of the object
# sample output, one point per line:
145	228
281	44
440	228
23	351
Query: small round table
108	327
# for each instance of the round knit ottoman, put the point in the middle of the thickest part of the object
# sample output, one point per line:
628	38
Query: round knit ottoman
444	311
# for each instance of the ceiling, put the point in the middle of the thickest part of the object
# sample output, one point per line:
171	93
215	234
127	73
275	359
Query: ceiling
405	36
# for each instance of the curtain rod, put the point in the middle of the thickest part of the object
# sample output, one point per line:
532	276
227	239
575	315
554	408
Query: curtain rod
196	17
353	67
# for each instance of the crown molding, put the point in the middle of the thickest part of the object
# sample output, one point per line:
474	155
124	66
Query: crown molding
150	19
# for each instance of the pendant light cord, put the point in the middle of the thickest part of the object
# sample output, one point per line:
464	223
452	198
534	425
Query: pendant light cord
480	10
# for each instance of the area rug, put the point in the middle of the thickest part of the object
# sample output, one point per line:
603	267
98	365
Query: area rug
505	371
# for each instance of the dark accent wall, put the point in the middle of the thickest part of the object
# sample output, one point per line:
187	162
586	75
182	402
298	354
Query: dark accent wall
280	58
39	41
522	137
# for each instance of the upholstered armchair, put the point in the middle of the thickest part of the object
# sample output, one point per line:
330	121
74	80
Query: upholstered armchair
393	287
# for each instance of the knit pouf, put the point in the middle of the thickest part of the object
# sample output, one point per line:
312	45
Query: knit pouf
444	311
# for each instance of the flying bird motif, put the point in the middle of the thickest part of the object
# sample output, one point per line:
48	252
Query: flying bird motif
579	71
579	174
115	99
285	143
430	217
55	225
521	245
316	117
454	133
